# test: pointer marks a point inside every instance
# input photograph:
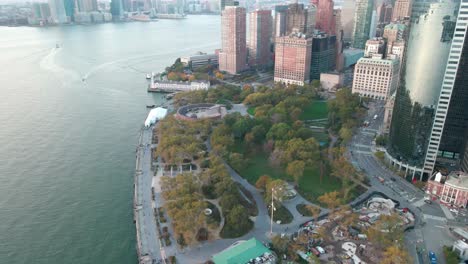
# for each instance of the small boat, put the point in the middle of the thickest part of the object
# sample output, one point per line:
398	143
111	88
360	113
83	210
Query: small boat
148	76
150	106
57	46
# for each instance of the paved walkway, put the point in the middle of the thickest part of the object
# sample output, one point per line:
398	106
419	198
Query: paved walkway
147	240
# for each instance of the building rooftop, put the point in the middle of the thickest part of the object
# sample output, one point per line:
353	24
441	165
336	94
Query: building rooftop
241	253
461	244
351	52
376	60
458	178
397	26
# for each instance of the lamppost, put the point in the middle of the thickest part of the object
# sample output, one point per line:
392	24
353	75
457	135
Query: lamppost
273	190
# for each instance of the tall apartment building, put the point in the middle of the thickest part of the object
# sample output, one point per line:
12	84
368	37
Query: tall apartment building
325	20
374	46
292	58
401	9
323	58
395	31
384	17
233	54
86	5
339	56
258	44
362	23
385	11
450	126
300	18
57	11
422	80
375	78
224	3
41	11
388	114
348	11
280	20
464	156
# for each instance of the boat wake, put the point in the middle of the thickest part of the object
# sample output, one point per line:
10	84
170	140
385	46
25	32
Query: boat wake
130	62
48	63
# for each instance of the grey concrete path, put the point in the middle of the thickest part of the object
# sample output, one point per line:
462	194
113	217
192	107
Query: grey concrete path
147	239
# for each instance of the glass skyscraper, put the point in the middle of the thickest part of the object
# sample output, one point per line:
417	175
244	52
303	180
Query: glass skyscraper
447	144
362	23
432	29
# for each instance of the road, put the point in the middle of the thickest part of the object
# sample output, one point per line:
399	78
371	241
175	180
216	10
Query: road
431	231
147	239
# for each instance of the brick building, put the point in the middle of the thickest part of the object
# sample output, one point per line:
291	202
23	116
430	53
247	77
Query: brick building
258	45
233	54
292	59
451	190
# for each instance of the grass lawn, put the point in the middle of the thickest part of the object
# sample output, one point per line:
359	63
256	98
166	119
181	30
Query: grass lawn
320	136
251	110
316	110
301	208
282	214
260	165
310	186
231	232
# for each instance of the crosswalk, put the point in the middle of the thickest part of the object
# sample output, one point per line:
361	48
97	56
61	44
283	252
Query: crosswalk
362	152
433	217
447	213
362	146
419	202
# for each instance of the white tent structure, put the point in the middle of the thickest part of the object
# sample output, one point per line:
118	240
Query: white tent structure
154	115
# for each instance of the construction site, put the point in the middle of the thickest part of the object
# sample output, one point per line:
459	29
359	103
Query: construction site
342	237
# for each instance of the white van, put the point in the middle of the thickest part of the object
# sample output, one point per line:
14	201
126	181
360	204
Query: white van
375	117
320	249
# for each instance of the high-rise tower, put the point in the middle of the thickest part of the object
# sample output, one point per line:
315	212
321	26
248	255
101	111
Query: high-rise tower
57	11
401	9
362	23
422	76
450	127
233	54
324	19
258	45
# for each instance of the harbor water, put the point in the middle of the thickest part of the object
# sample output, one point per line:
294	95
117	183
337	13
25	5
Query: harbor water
69	124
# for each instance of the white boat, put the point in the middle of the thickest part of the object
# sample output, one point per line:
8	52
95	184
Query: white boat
148	76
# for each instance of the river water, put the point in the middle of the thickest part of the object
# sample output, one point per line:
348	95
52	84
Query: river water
67	146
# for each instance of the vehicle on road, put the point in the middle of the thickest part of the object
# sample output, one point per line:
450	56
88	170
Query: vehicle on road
320	249
315	252
393	179
381	179
432	257
453	210
375	117
428	201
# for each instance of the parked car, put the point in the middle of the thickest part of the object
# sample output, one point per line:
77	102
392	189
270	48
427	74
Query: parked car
432	257
315	252
320	249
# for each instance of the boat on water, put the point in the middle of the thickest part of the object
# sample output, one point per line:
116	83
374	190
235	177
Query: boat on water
148	76
141	18
57	46
150	106
171	16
